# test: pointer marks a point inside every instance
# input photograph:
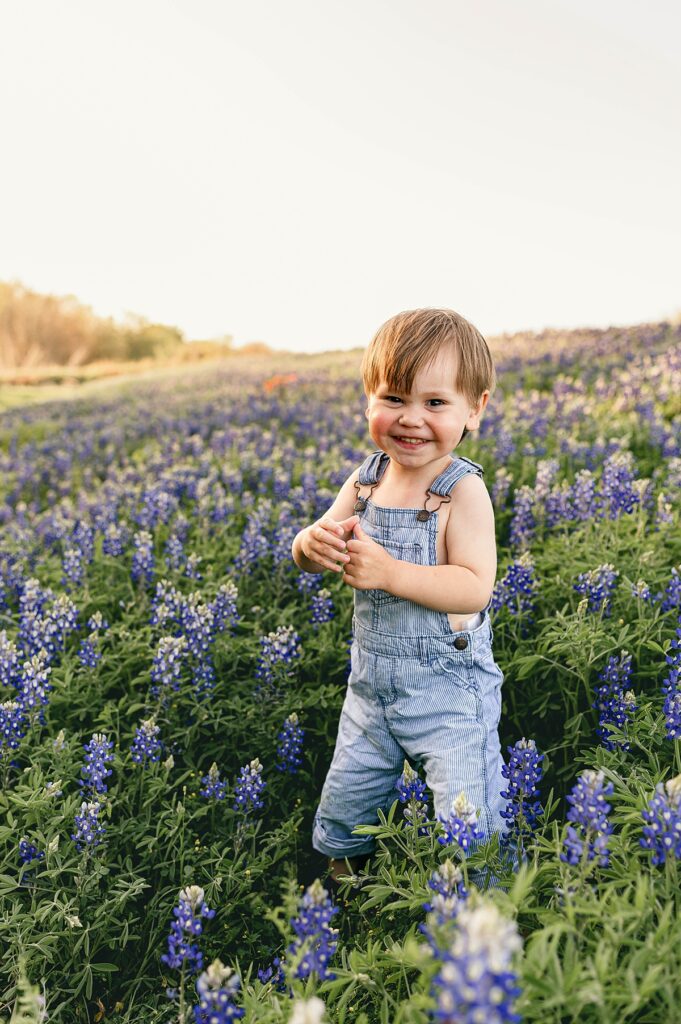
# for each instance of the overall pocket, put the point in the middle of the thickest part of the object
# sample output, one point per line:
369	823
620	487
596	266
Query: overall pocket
409	552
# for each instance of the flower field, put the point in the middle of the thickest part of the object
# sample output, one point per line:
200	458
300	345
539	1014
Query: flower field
170	686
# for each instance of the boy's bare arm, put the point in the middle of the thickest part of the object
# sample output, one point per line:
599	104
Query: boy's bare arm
462	586
444	588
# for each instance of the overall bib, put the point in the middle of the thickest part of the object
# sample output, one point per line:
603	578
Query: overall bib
417	689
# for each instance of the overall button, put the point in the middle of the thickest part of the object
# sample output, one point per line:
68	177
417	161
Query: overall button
461	643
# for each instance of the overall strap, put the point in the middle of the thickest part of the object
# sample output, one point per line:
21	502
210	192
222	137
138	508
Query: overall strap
459	468
370	471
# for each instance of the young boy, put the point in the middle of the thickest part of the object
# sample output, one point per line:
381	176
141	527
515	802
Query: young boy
412	532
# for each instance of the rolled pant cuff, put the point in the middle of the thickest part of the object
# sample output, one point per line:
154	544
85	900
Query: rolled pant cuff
339	849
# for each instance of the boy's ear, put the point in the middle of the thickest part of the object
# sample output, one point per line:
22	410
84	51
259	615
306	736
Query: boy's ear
477	411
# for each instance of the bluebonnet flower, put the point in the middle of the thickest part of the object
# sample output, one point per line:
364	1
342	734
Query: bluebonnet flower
612	703
88	655
72	566
62	618
523	522
284	532
315	941
192	567
34	684
321	607
290	745
447	883
277	651
524	772
476	981
97	623
617	491
598	585
517	590
249	786
640	590
174	553
166	668
255	540
461	824
672	681
97	756
188	914
198	624
143	557
89	829
275	974
672	715
502	482
114	540
672	594
224	607
662	831
27	854
9	660
583	496
145	746
213	787
203	678
589	811
412	792
308	582
216	989
557	507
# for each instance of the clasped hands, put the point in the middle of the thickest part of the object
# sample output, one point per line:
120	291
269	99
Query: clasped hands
365	564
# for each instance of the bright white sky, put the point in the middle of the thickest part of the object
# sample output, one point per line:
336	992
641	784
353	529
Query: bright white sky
297	172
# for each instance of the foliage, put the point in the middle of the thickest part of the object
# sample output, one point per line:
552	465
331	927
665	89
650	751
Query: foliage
157	525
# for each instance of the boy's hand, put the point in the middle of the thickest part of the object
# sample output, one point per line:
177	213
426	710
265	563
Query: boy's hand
324	542
370	565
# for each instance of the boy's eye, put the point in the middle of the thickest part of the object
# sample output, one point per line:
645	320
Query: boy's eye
432	401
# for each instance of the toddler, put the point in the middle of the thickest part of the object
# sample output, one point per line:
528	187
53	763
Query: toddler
412	532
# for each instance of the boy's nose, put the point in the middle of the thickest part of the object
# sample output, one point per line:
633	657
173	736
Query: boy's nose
410	417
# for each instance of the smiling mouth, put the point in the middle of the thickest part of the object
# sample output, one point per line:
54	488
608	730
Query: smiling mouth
413	441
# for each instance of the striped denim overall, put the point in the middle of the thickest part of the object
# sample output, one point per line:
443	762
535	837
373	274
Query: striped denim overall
417	689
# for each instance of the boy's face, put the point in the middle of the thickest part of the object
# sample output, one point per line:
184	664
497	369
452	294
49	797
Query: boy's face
434	414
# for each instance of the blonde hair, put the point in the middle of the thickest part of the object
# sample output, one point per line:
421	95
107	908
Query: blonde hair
410	340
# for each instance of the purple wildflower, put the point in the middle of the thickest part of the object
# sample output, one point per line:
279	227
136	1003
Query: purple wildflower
598	585
461	824
315	941
524	772
249	787
321	607
89	829
589	812
476	981
216	989
188	916
290	745
145	746
662	831
614	706
97	756
412	792
213	787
